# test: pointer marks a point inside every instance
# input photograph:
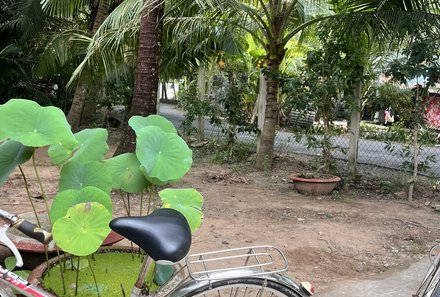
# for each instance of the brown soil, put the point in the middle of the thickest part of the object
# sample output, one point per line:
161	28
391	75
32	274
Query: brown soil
358	232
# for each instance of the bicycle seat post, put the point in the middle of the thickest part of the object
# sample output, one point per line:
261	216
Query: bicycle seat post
139	288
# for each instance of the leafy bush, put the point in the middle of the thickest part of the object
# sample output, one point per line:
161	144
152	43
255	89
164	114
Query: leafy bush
396	133
235	153
227	106
189	102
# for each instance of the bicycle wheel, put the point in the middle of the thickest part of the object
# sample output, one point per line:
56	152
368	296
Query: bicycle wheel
244	287
436	291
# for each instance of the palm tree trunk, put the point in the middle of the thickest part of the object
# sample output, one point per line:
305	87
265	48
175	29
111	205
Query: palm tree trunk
80	96
267	137
76	109
146	83
275	52
101	14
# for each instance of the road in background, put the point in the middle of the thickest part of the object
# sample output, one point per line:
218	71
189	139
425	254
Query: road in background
370	152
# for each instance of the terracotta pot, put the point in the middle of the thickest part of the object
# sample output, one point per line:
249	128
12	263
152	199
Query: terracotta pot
321	185
36	276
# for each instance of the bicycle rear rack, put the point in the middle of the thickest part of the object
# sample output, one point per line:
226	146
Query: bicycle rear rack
238	262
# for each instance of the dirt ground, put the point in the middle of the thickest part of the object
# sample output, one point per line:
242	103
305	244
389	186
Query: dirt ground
356	233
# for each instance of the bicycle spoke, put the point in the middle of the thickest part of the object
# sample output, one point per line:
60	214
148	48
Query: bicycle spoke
244	291
244	288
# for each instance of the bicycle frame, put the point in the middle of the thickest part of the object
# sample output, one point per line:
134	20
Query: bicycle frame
21	285
181	282
257	262
10	279
261	262
432	277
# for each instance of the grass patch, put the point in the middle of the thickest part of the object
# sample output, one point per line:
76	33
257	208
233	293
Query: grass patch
222	153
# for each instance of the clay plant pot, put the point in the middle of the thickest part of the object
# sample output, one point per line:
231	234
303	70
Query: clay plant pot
127	268
322	184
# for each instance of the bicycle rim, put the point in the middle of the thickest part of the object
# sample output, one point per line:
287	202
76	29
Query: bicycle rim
430	283
244	287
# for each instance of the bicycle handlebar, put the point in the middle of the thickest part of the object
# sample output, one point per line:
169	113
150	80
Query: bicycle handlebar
27	227
33	231
24	226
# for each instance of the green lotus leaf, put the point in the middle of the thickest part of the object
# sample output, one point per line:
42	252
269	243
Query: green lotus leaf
23	273
27	122
60	154
126	174
138	122
187	201
164	156
12	154
78	175
154	180
68	198
10	263
83	229
92	147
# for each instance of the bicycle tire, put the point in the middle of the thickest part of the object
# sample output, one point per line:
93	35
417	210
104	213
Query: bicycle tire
432	283
244	287
436	291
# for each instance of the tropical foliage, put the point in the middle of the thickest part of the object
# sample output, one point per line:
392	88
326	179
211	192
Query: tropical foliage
104	46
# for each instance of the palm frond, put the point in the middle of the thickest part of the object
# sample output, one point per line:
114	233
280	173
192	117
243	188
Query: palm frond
10	67
386	27
64	9
403	5
190	41
114	43
9	50
28	19
66	47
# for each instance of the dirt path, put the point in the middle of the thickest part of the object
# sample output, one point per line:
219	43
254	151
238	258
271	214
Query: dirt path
357	234
325	239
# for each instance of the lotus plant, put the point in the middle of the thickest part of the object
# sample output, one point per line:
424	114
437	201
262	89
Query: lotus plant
82	209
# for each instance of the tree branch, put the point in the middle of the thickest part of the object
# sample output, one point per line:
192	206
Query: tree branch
252	13
288	13
302	27
266	12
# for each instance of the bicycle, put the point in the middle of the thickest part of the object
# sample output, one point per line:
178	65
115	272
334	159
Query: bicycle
430	286
165	237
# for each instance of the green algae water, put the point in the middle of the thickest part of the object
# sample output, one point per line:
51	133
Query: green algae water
115	274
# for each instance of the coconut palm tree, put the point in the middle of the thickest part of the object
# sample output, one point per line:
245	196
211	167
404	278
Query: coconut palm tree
197	46
111	51
146	81
385	25
121	40
272	24
69	9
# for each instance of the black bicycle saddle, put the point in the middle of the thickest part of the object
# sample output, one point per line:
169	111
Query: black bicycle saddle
164	234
